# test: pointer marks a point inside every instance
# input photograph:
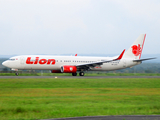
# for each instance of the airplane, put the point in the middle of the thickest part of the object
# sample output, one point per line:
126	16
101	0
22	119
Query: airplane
74	64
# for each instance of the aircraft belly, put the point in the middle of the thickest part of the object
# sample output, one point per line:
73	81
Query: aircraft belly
42	67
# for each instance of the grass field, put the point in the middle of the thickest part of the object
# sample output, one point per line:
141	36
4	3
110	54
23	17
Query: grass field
58	98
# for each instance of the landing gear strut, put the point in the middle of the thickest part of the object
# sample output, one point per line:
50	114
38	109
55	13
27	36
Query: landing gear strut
17	73
74	74
81	74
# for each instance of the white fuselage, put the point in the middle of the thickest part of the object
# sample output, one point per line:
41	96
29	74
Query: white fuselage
72	64
44	62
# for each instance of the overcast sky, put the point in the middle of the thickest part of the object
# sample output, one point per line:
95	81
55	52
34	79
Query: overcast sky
77	26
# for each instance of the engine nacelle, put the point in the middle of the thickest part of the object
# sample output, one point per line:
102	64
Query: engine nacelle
55	71
68	69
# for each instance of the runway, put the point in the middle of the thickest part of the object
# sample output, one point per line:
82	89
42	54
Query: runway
80	77
123	117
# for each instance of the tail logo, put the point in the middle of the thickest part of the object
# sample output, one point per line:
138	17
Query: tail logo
136	50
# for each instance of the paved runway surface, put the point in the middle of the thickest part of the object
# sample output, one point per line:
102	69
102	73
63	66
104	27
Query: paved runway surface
132	117
84	77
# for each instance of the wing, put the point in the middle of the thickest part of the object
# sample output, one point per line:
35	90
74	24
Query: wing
87	66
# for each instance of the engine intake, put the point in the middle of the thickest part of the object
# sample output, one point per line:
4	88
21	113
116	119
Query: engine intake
68	69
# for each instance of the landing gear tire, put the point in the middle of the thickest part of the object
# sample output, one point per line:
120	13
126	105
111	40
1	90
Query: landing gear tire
81	74
17	73
74	74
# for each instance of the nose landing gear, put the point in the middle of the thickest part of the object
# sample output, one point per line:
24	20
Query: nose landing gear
16	73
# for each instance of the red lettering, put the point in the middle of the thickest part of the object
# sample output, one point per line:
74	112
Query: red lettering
42	61
51	60
28	61
36	61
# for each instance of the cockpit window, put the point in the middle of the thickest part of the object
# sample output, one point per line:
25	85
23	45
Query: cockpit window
12	59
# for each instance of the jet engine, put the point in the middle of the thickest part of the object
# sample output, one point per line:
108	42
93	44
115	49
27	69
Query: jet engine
68	69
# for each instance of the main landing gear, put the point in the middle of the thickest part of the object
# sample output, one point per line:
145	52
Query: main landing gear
80	74
74	74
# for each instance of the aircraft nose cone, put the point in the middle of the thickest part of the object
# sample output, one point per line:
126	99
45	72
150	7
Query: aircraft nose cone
5	63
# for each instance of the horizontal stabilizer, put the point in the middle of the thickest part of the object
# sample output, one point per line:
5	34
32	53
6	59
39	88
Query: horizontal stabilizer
140	60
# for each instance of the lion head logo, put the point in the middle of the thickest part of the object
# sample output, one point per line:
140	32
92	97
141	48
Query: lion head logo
136	50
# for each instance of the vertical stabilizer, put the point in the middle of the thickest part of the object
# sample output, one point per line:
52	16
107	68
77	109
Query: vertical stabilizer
135	51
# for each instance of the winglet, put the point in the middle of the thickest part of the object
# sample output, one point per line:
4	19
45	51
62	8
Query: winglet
121	55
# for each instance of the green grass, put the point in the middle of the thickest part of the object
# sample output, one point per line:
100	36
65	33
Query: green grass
58	98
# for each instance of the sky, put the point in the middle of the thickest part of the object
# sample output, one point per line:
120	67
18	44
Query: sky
77	26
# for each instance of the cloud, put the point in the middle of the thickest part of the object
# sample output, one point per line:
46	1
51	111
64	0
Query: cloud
63	26
50	14
144	9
